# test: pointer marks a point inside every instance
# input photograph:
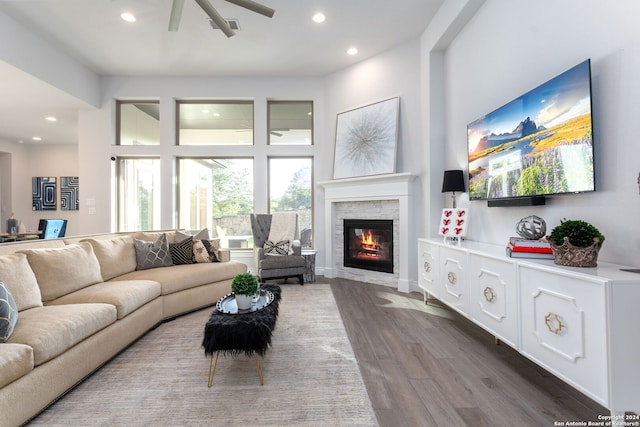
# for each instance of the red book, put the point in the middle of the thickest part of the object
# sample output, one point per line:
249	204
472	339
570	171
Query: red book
530	249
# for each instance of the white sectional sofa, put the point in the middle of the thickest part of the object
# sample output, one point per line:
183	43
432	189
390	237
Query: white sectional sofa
80	301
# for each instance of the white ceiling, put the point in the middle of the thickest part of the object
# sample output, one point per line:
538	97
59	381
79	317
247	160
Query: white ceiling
289	44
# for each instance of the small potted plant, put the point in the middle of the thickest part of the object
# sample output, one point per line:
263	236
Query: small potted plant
244	286
575	243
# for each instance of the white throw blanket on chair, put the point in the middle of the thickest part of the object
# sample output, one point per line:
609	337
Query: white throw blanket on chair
283	227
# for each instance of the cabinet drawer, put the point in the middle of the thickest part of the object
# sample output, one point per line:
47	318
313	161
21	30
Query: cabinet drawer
564	327
454	282
493	297
428	268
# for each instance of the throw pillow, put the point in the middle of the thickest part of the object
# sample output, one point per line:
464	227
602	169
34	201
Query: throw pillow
182	252
206	250
278	248
152	254
8	313
200	235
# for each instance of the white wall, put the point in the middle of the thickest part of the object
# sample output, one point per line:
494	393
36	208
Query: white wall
18	164
511	47
390	74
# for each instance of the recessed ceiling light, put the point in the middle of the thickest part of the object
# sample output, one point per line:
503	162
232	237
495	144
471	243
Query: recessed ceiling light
319	17
216	114
352	51
127	16
50	119
309	113
36	138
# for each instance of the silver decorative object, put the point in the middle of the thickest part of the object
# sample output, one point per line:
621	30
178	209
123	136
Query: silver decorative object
531	227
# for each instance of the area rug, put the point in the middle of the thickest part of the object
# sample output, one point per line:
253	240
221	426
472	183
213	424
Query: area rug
311	377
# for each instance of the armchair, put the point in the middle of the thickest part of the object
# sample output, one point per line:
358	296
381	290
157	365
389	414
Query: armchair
275	261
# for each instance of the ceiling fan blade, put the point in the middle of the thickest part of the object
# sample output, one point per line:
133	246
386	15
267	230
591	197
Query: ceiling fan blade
256	7
216	17
176	15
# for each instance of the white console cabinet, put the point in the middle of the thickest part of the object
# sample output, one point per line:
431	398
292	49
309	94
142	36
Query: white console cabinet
581	324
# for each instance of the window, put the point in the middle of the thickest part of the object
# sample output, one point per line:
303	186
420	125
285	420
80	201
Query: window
217	193
138	194
290	122
291	190
138	122
215	122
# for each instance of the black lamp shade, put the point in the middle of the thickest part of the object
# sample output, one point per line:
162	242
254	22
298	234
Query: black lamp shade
453	181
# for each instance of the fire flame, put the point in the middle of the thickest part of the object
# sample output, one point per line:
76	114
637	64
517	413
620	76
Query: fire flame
367	239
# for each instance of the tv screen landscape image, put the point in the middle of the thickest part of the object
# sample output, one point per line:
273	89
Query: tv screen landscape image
536	145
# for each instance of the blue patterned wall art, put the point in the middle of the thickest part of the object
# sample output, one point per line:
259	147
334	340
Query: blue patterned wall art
69	193
44	193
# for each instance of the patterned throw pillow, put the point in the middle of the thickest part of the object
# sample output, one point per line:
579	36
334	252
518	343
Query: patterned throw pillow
279	248
152	254
206	250
182	252
8	313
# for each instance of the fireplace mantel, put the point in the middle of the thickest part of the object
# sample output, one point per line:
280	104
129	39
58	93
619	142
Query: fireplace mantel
377	187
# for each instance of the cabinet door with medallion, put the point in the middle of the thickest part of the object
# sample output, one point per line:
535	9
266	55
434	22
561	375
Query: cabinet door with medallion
493	298
564	326
428	268
454	280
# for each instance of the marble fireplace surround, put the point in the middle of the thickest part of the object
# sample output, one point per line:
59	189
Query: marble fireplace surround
397	187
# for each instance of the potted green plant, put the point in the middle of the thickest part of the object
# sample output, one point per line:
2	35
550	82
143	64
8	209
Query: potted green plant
244	286
575	243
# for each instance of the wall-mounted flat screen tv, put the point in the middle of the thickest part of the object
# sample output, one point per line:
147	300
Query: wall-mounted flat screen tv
536	145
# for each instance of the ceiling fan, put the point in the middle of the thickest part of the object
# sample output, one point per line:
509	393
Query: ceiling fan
176	13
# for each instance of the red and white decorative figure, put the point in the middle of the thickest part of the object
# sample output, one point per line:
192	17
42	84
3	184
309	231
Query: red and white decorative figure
453	223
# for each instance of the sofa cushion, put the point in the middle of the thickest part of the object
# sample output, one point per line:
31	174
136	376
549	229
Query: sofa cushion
8	313
152	254
16	360
182	252
51	330
126	296
64	270
20	280
180	277
116	256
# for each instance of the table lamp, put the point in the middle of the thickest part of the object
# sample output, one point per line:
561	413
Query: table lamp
453	181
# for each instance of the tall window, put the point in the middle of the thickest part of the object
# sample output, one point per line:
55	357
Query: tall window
138	122
138	194
217	193
215	122
290	122
291	190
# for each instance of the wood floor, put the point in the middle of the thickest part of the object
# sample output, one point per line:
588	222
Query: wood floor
425	365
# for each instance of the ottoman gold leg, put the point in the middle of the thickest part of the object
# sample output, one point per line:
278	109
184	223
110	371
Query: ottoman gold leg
260	372
212	368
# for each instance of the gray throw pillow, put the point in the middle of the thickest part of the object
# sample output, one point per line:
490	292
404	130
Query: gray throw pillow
152	254
8	313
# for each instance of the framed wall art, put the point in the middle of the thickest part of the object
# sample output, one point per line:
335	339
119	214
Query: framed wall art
366	140
43	191
69	193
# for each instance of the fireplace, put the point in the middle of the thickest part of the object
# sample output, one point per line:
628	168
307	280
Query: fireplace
368	244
